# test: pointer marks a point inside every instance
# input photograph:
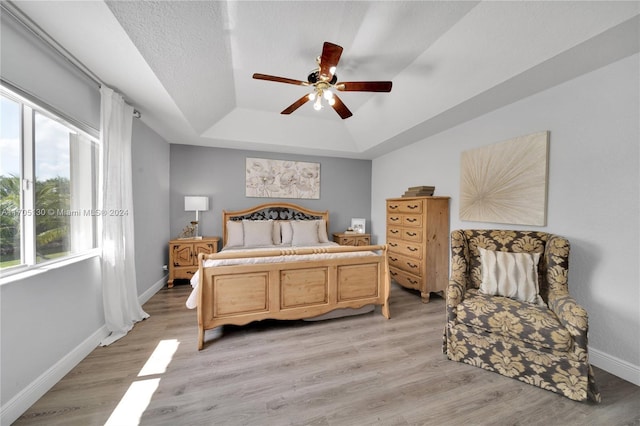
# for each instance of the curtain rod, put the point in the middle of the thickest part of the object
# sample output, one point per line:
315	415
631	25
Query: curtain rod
36	30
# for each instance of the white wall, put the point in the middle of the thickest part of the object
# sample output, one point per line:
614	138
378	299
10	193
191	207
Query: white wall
593	197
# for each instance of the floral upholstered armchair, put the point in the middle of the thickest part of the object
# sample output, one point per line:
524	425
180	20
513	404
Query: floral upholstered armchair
509	310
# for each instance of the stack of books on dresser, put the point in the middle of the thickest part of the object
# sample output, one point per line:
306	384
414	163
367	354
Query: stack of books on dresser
419	191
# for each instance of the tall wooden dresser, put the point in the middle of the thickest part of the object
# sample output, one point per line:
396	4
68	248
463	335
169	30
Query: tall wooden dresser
418	243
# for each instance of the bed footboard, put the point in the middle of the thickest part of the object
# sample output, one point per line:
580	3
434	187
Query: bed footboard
290	290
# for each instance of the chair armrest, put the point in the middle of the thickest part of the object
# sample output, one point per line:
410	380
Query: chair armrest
459	274
572	316
455	295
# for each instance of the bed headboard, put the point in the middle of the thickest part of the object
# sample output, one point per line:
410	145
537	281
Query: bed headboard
274	211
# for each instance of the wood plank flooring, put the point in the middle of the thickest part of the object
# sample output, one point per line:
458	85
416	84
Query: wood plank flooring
361	370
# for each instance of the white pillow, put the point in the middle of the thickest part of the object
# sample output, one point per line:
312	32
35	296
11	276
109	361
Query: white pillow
235	234
513	275
305	232
277	236
322	231
286	231
258	232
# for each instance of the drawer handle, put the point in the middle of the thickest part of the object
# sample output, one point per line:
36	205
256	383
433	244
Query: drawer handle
411	265
414	282
393	244
411	234
190	273
394	219
393	273
412	207
411	219
392	207
394	259
412	248
393	231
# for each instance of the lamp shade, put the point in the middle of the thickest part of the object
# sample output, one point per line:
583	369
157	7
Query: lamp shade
196	203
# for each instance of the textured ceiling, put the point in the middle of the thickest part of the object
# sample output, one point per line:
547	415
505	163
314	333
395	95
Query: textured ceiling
187	65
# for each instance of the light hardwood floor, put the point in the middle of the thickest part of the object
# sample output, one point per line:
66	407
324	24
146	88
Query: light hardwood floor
360	370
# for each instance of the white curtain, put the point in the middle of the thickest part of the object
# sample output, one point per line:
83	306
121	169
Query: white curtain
120	296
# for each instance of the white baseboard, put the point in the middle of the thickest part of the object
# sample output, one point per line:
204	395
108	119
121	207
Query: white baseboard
28	396
623	369
20	403
144	297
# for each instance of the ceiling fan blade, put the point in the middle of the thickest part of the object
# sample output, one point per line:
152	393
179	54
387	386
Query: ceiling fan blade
258	76
329	59
297	104
364	86
341	108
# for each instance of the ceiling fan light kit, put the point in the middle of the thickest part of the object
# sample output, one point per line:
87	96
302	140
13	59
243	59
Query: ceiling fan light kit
325	81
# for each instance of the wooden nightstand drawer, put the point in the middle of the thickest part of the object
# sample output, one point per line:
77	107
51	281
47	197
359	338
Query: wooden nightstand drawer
352	239
184	273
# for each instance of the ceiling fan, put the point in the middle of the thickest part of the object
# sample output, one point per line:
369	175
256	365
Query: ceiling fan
324	81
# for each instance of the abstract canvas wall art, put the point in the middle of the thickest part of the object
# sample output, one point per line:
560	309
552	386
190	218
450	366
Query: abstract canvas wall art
282	179
506	182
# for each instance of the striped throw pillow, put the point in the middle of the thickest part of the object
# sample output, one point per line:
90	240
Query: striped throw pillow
513	275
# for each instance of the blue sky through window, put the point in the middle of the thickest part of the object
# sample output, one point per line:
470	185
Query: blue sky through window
52	144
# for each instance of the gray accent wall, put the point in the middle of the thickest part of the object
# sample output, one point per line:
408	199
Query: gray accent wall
593	192
150	165
345	186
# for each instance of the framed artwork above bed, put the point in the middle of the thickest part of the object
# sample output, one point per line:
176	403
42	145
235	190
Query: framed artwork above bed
282	179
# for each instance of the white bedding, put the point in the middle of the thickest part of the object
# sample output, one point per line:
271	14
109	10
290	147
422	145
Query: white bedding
192	301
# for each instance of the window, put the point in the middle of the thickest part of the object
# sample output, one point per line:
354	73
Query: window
48	185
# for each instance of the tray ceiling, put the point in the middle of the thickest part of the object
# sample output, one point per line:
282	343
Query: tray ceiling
187	65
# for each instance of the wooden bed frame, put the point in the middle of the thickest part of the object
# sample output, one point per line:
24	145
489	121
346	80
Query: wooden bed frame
288	290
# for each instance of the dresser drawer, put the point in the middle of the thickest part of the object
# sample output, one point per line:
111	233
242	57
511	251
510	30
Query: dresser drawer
405	206
411	234
394	231
405	279
394	219
406	248
405	263
412	220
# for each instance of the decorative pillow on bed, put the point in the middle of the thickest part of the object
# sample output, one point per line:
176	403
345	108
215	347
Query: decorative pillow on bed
513	275
286	231
235	234
322	231
258	232
305	232
276	233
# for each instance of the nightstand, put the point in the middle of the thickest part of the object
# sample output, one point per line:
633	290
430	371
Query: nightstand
183	256
352	239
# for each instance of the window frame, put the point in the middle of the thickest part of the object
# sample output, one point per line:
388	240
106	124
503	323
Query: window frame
28	256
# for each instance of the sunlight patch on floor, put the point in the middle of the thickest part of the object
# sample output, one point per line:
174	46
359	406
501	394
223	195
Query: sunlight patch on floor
137	398
133	403
160	358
